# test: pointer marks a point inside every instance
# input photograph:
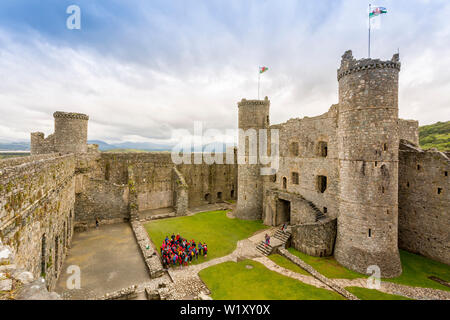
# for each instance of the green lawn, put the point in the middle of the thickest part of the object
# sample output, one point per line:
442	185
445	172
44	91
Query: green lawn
287	264
416	270
328	266
372	294
220	233
234	281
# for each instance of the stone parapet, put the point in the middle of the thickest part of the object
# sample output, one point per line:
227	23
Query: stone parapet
151	258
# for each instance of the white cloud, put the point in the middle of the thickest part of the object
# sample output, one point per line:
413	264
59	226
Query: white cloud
170	71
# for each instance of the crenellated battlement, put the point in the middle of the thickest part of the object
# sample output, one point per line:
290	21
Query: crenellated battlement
350	65
70	115
245	102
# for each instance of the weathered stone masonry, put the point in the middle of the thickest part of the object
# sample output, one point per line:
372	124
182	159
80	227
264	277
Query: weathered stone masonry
344	166
67	183
352	182
424	202
37	211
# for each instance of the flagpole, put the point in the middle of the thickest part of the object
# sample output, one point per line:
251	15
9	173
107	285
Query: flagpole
259	77
370	9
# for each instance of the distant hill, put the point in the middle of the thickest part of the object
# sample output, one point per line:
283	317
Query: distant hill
435	136
15	146
126	150
103	146
142	146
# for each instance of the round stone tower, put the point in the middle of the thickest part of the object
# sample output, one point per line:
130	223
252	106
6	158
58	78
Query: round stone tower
70	132
368	143
253	116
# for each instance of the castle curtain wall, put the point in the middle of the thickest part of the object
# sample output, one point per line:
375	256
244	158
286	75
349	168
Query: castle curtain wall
424	202
106	184
36	211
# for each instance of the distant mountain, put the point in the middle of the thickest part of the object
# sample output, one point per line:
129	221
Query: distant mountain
14	146
102	146
435	136
146	146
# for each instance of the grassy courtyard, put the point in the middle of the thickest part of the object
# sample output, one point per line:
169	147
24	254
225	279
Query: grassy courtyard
416	270
328	266
250	280
220	233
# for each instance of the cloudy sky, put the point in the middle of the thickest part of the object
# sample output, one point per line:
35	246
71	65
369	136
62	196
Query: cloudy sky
141	69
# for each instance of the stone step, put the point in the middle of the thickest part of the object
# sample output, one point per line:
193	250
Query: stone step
283	233
282	238
263	249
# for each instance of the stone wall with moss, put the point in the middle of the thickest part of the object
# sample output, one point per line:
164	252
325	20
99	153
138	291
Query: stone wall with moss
36	211
153	178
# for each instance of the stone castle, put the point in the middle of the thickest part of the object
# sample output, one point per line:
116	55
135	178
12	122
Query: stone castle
352	182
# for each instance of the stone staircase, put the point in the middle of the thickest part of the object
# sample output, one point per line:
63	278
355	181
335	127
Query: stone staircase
265	250
282	235
319	214
278	239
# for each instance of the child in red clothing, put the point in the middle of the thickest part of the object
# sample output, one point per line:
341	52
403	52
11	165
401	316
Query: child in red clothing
205	250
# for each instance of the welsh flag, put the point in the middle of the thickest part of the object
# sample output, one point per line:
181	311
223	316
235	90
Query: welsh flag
377	11
263	69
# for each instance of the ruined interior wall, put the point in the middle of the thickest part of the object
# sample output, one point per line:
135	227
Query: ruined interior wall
103	200
37	202
97	197
153	178
309	164
180	187
41	145
409	130
424	216
217	180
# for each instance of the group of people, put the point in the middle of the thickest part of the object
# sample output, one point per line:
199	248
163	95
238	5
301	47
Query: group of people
178	251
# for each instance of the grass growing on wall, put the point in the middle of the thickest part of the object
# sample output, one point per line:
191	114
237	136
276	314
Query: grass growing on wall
234	281
220	233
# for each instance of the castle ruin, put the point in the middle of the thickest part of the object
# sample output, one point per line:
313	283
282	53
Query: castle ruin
352	182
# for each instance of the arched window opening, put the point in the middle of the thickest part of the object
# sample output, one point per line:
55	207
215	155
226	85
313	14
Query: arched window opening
321	183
